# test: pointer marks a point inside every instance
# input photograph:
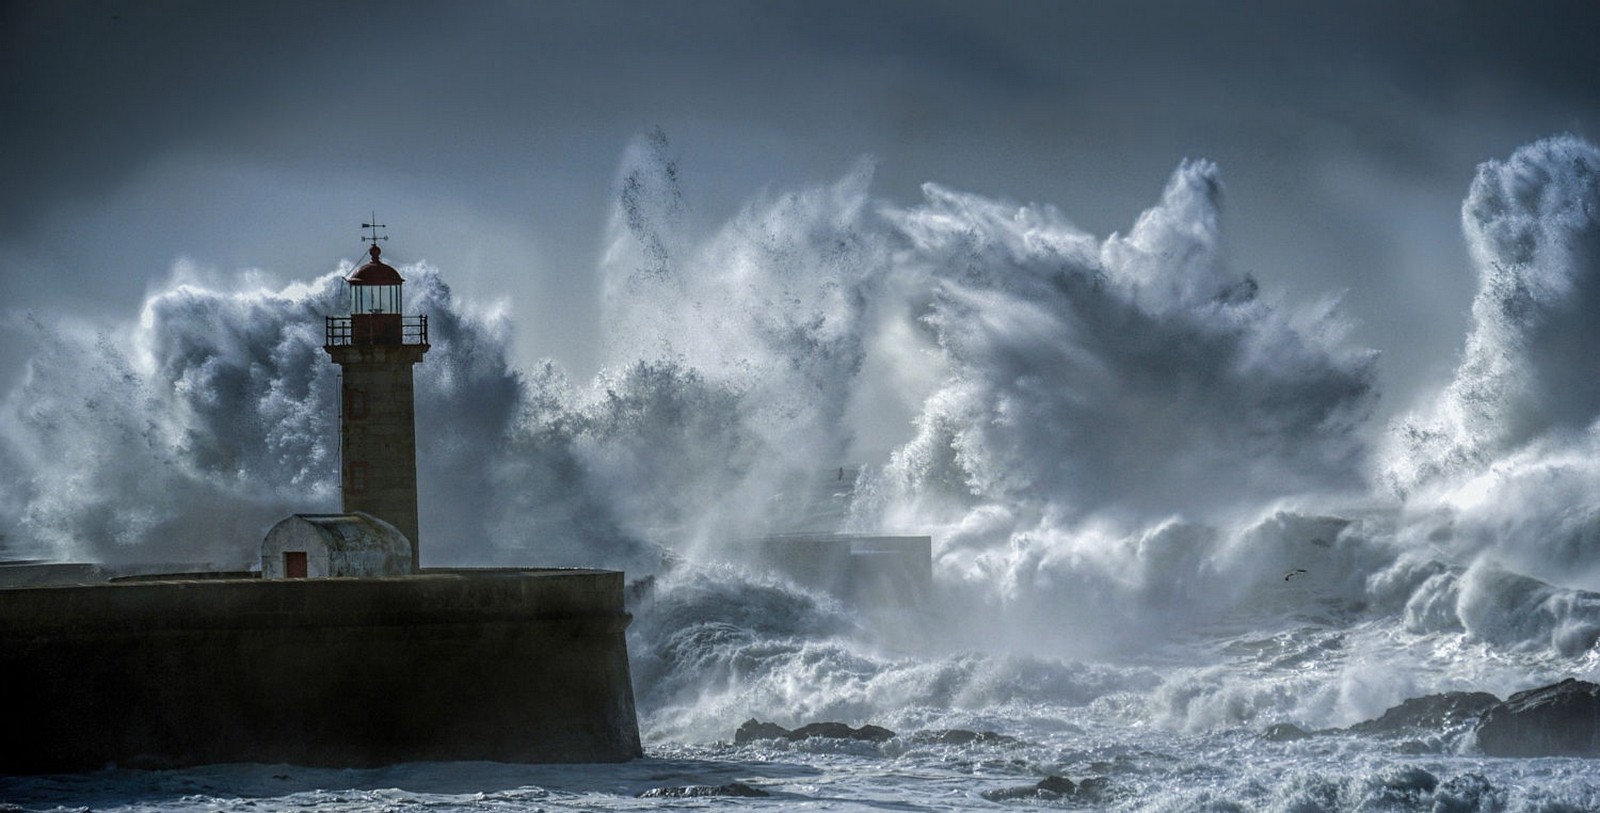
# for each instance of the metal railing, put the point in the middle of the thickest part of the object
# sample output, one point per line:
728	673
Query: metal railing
377	328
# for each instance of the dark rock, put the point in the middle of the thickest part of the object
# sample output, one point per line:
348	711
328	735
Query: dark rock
1008	794
1284	732
754	729
1401	788
1059	785
840	731
1558	720
873	733
688	791
1050	788
1434	712
960	736
1094	788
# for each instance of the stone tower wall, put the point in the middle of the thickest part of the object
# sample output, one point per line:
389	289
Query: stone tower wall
378	437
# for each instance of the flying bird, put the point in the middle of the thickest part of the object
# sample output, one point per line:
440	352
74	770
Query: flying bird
1293	573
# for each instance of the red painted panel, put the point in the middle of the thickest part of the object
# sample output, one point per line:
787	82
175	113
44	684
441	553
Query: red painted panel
356	483
294	564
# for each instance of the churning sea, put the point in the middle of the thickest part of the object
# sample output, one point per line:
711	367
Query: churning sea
1168	514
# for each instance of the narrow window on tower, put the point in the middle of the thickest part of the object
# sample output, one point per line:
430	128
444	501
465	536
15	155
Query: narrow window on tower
356	483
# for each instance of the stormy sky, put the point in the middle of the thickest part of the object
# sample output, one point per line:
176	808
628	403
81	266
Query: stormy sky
215	138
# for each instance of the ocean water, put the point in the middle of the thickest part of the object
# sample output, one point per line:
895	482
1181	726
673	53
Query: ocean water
1167	512
1175	728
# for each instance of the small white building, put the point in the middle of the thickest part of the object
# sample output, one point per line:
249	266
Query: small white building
321	545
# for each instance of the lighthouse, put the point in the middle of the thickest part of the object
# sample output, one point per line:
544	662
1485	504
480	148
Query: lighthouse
375	346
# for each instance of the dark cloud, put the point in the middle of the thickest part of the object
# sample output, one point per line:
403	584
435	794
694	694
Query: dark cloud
254	134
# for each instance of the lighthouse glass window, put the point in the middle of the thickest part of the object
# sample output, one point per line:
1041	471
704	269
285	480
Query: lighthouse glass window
374	299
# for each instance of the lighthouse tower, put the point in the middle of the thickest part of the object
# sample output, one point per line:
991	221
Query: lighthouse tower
375	347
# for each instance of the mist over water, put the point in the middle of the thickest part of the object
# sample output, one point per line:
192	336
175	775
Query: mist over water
1120	445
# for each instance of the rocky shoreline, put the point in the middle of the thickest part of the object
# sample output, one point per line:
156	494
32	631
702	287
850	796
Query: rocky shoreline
1558	720
1561	719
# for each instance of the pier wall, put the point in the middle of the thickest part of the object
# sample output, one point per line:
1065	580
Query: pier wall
509	665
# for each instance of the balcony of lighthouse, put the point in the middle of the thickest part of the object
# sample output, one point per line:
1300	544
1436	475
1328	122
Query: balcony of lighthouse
375	328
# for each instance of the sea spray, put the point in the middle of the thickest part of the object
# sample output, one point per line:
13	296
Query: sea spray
1144	474
1532	224
1500	469
1114	414
762	327
1135	377
181	437
174	437
1070	521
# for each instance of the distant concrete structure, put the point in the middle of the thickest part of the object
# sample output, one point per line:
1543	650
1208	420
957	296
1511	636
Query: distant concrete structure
323	545
376	346
861	568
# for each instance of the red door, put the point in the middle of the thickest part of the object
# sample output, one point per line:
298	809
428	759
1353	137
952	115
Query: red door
294	564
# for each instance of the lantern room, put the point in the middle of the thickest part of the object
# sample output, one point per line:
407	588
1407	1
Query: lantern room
375	302
375	287
375	316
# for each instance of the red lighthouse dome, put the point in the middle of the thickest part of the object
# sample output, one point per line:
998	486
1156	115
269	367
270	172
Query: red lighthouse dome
375	272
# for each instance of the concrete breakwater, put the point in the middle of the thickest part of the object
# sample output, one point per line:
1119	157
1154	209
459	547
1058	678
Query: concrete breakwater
503	665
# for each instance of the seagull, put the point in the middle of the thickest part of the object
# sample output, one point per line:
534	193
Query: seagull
1297	571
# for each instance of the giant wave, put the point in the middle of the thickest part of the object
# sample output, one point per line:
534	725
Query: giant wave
1120	446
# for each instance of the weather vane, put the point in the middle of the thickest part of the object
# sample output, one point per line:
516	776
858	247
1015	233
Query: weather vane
374	225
